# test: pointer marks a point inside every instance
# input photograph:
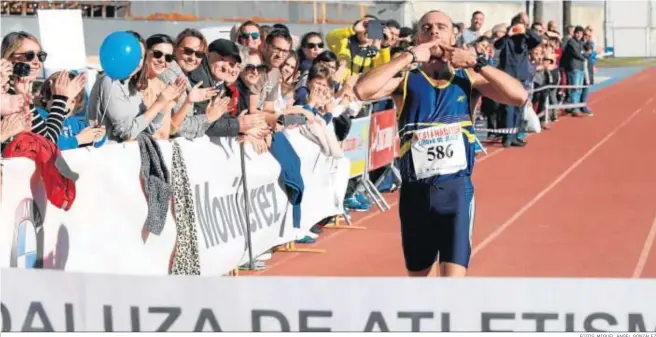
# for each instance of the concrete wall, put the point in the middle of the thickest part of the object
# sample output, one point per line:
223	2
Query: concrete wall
632	28
95	30
299	16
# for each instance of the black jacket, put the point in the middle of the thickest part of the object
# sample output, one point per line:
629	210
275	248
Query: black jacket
513	54
573	55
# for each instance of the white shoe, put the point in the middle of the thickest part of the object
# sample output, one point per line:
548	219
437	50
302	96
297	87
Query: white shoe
265	257
312	235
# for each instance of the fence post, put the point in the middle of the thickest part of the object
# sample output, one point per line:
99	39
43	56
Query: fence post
247	208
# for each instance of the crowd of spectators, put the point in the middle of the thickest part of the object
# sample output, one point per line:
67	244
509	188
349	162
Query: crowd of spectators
186	86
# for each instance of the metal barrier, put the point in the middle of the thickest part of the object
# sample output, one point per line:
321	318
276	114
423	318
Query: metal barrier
548	107
372	144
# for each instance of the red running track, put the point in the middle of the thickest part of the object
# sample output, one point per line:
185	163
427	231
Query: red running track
578	201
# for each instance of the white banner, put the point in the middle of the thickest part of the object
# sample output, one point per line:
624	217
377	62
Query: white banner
55	301
214	169
102	232
325	179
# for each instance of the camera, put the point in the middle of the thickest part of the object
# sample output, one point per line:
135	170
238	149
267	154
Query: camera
292	119
21	69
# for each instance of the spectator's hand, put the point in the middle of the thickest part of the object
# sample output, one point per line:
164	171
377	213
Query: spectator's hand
76	85
361	26
11	104
61	85
315	97
6	69
258	132
217	109
517	29
23	86
12	125
259	145
351	81
461	57
200	95
249	121
341	71
173	90
425	51
89	135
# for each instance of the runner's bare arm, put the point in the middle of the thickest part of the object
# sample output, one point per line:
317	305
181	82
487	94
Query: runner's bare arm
380	81
389	88
499	86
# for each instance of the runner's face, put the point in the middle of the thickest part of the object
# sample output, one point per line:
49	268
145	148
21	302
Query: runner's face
436	26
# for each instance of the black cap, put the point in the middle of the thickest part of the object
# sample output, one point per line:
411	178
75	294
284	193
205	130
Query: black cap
224	47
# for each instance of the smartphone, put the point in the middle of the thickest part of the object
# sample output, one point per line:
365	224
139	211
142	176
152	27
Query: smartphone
220	88
292	119
375	30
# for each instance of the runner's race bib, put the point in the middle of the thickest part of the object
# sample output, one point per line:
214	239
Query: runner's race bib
438	150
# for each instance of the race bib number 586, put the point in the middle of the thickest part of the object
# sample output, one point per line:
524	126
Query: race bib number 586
438	150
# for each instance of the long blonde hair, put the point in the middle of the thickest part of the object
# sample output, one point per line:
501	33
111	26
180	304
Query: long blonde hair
12	41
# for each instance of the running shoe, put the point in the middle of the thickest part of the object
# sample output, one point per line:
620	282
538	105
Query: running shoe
306	239
352	204
363	199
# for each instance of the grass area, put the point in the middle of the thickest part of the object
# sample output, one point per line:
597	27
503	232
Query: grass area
626	62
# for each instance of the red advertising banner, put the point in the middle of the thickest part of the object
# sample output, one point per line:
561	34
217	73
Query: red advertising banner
383	140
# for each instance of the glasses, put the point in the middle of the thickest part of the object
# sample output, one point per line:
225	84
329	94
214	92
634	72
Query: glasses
311	45
252	67
188	51
30	55
157	54
254	35
279	50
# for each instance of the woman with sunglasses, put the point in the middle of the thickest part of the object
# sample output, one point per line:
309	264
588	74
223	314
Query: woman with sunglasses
22	47
120	106
311	46
159	54
250	36
76	131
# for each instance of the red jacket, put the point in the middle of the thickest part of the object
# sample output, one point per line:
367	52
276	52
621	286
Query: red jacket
60	190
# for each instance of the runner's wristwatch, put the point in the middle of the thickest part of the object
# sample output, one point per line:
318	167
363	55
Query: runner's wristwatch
414	56
481	61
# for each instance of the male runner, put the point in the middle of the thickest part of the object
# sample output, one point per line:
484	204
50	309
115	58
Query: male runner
437	141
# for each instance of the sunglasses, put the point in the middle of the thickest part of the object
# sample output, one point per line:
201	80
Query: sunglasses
30	55
157	54
259	67
188	51
310	45
254	35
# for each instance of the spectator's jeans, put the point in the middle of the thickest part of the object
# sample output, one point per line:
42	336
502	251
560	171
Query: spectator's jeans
585	92
513	118
575	77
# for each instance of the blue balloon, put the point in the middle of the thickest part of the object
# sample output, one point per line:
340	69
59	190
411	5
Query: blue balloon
120	54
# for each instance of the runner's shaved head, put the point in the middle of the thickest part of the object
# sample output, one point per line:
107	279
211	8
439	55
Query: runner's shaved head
435	25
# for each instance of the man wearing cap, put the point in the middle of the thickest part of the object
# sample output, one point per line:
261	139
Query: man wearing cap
222	67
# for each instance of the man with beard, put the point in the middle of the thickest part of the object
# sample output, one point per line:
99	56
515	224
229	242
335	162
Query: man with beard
437	141
472	33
